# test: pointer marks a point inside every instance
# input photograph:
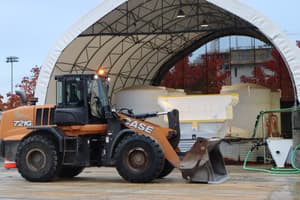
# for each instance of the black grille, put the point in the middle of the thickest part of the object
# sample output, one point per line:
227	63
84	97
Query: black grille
44	116
52	116
38	117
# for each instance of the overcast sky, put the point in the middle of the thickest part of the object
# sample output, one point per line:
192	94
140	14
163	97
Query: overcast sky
30	28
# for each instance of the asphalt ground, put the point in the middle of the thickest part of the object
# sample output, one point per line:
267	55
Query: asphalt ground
106	184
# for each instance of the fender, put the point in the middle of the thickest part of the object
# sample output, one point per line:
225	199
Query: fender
116	139
8	148
51	131
160	134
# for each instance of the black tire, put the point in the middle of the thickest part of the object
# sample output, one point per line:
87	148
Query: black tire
70	171
37	159
167	169
139	159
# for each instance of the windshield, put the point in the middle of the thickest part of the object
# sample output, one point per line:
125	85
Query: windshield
98	96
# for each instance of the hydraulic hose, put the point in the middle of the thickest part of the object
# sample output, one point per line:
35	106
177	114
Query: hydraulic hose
293	170
293	157
259	116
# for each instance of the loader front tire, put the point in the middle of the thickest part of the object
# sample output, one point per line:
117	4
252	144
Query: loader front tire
139	159
167	169
37	159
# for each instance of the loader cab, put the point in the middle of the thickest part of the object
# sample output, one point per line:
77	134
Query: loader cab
80	99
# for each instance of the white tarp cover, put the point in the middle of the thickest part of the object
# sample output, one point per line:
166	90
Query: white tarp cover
201	108
202	115
48	67
71	51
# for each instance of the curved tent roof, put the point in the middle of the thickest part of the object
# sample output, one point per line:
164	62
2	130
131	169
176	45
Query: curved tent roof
138	41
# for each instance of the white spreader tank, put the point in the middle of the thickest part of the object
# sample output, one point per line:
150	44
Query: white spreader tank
206	116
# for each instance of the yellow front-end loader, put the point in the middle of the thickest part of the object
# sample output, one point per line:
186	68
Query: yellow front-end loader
81	130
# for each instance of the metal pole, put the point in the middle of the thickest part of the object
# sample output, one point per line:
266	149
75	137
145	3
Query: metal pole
11	60
11	78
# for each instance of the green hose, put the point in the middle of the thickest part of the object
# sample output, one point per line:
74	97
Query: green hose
293	157
273	170
259	116
293	170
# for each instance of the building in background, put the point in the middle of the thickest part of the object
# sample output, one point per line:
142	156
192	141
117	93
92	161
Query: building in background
243	60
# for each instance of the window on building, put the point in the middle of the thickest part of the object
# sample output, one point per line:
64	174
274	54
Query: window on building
235	72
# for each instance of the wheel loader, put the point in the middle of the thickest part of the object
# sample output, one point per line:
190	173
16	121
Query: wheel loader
81	130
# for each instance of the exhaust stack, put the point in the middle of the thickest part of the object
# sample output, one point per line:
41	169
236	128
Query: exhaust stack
22	95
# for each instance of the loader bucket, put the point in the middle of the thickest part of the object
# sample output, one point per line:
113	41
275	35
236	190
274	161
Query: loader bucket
204	162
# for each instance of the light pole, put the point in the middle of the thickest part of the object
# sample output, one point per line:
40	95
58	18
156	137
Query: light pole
11	60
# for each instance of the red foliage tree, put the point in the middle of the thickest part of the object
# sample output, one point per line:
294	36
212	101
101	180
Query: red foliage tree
13	101
27	85
215	76
175	77
205	76
1	102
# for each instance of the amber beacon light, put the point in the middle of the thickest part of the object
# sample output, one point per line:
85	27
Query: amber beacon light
101	72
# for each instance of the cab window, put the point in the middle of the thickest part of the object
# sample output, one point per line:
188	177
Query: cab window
73	92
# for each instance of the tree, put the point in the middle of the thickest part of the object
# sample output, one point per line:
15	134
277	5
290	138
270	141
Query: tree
205	75
175	76
27	85
13	101
215	76
1	102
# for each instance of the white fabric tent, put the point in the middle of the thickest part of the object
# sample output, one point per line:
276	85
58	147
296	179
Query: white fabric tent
138	41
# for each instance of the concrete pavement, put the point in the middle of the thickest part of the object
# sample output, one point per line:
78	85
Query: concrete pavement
106	184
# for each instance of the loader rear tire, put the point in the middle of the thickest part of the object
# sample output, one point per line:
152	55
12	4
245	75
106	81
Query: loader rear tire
139	159
37	159
70	171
